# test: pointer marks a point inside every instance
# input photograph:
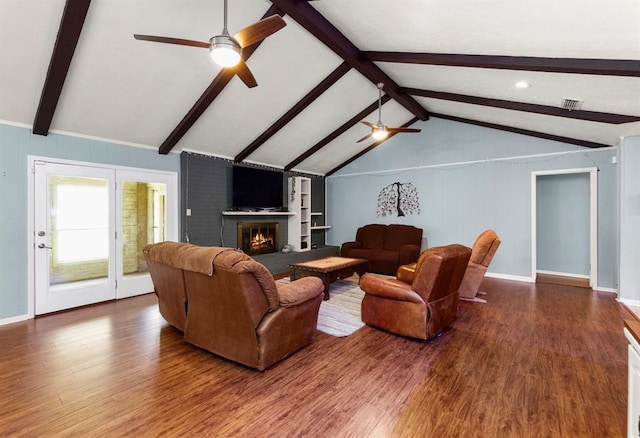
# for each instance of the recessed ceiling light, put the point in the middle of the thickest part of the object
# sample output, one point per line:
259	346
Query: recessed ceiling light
523	84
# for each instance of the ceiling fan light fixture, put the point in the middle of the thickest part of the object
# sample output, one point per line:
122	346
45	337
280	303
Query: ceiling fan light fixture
379	133
224	51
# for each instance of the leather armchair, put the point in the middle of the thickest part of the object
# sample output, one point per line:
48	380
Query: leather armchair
233	308
384	246
484	248
423	308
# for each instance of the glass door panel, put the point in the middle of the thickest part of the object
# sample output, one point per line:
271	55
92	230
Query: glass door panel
79	221
143	219
143	222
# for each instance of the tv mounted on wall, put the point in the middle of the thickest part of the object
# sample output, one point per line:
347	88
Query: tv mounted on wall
257	189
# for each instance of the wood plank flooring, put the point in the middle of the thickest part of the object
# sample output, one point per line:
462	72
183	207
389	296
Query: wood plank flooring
539	360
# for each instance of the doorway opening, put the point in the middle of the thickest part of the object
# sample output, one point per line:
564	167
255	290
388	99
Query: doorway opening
544	215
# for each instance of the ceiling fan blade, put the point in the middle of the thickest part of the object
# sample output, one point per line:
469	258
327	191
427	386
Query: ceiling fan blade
168	40
370	125
393	130
364	138
258	31
243	72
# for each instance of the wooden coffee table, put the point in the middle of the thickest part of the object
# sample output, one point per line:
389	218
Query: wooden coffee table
329	269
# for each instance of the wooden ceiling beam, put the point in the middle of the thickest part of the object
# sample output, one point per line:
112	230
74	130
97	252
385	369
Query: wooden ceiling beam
305	15
73	16
543	135
303	103
209	95
612	67
335	134
591	116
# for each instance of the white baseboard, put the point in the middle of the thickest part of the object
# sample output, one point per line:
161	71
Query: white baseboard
13	319
563	274
509	277
531	280
629	302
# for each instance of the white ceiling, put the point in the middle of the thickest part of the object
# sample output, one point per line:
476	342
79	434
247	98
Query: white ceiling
137	92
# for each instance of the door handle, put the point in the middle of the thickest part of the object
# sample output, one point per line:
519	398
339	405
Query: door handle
42	245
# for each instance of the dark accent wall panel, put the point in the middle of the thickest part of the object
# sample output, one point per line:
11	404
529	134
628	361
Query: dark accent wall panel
317	205
206	189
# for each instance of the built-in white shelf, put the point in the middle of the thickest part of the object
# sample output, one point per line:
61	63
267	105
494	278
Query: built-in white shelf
316	213
299	227
321	227
258	213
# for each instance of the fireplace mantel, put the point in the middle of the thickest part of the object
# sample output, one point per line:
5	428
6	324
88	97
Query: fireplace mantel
258	213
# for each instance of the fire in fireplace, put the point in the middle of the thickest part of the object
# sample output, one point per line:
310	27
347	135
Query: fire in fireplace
258	238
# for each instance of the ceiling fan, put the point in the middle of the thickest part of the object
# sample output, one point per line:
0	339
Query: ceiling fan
379	131
224	49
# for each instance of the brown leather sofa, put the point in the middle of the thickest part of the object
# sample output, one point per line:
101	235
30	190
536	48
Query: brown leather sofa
229	304
482	252
423	308
386	247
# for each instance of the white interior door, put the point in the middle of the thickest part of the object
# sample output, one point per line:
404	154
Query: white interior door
73	236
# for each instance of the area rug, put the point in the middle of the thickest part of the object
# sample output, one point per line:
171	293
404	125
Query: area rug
340	315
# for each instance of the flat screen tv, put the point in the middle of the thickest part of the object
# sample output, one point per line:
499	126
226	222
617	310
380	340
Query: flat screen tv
257	189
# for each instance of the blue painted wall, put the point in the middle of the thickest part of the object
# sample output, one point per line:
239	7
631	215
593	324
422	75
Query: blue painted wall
16	144
468	179
563	224
489	187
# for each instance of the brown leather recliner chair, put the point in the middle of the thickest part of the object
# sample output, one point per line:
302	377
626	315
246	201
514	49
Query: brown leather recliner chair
484	248
384	246
423	308
233	306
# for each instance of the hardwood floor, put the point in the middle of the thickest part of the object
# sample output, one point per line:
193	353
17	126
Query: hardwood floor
539	360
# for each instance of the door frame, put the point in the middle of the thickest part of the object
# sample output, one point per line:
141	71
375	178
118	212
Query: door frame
172	214
593	219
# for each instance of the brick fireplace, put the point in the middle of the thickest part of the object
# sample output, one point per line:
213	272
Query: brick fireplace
258	237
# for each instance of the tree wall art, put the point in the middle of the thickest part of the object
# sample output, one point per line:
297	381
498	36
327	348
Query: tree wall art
398	199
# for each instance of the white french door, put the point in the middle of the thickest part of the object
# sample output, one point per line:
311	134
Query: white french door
74	229
90	224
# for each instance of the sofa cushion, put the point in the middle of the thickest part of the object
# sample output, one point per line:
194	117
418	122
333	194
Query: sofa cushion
397	236
263	278
384	261
371	236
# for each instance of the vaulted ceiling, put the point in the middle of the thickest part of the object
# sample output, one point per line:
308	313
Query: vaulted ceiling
73	66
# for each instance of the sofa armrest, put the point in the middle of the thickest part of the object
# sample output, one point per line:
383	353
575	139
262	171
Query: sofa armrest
408	254
407	273
300	291
348	246
389	288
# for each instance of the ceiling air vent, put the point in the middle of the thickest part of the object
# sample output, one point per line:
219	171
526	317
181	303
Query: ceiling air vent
571	104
